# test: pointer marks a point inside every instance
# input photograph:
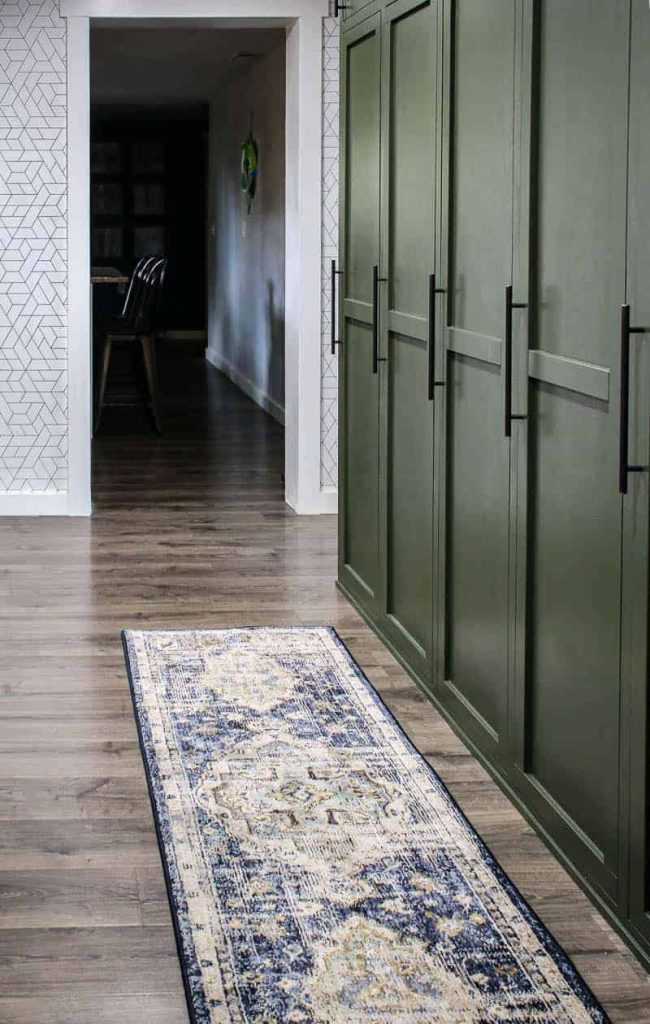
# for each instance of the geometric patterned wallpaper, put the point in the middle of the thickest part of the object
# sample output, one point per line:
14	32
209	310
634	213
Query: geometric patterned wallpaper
33	246
330	242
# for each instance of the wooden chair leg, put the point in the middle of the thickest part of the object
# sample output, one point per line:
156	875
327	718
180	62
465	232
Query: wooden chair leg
149	355
107	346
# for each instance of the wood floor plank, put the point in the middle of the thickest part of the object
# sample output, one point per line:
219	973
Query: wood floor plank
85	759
152	1008
36	845
71	962
69	898
38	733
189	530
45	799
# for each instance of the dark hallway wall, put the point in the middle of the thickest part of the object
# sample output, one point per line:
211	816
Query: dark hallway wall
246	258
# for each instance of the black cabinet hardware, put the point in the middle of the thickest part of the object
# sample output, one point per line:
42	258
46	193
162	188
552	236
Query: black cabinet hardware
376	279
334	274
509	415
433	291
623	465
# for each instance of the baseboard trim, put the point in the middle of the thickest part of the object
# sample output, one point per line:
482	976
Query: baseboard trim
325	503
255	393
329	501
36	503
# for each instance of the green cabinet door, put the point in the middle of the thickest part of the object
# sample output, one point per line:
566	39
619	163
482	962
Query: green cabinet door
477	262
359	248
635	504
569	694
409	176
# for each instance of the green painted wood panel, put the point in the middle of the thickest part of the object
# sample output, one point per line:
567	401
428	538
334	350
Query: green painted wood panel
636	548
409	104
572	728
409	530
409	137
479	225
359	247
362	155
476	651
362	458
582	141
573	569
482	197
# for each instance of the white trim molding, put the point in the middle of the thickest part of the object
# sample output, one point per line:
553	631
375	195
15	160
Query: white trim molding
79	294
35	503
238	10
329	501
304	26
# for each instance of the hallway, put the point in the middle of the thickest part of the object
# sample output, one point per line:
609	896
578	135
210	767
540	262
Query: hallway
189	529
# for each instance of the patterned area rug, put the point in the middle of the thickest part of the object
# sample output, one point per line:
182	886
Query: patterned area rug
318	870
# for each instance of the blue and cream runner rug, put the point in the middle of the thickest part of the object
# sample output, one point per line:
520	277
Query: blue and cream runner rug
318	870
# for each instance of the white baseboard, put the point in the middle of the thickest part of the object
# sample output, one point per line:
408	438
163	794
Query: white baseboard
34	504
249	388
328	501
325	503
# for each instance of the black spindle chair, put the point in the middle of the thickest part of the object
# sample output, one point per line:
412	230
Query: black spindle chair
137	323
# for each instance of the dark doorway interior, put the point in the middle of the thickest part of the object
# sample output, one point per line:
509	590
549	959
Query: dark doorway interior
148	196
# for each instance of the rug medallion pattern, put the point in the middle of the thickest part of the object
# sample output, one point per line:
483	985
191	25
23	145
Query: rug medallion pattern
319	872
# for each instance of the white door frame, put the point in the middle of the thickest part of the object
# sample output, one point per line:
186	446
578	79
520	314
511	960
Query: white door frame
303	21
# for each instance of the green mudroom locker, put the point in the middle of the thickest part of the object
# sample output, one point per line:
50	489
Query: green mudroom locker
493	331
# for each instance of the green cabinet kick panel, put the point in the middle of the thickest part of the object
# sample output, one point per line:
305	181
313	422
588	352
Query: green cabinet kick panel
494	360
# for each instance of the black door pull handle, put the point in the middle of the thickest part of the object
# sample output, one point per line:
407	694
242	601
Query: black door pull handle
376	358
433	291
334	274
624	466
509	415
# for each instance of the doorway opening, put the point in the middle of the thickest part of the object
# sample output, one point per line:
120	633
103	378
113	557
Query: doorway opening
300	22
187	182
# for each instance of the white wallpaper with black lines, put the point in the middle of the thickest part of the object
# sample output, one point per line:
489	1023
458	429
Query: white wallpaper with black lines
33	241
33	248
329	374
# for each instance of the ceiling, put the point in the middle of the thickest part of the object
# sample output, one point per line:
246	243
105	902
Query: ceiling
180	66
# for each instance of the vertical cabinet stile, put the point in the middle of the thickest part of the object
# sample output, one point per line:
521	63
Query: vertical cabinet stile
359	566
636	548
569	687
527	13
474	529
408	214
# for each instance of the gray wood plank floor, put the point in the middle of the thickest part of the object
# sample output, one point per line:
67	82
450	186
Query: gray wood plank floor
189	530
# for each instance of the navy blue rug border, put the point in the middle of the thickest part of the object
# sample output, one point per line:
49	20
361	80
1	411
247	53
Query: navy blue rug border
180	946
564	963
